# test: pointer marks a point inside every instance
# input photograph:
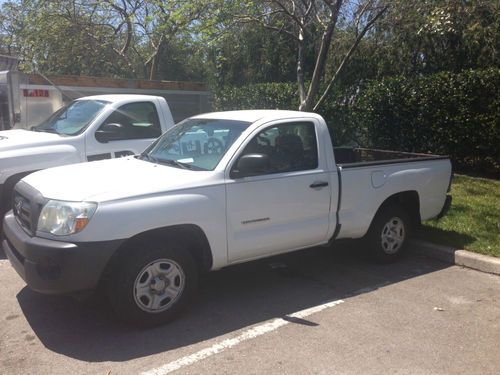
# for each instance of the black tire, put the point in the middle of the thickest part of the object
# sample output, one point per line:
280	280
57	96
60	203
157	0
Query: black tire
387	238
5	204
7	194
124	277
6	198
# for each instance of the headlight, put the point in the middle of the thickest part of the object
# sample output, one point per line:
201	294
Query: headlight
63	218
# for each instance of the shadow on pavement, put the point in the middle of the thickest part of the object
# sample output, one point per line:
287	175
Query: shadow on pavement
445	237
229	300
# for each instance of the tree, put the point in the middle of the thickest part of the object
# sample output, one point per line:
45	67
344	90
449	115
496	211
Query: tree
9	26
63	37
122	38
430	36
303	21
244	54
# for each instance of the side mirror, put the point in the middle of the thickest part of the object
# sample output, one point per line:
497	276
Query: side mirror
250	165
109	132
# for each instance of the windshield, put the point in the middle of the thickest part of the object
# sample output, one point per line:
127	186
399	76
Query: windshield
197	144
73	118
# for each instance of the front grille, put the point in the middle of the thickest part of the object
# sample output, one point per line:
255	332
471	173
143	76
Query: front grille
23	210
27	204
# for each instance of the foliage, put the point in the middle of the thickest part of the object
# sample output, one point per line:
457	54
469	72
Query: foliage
473	222
381	81
410	38
235	43
159	26
444	113
438	35
311	27
120	38
257	96
66	38
284	96
9	26
263	57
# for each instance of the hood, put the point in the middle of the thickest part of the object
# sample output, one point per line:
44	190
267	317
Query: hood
19	138
113	179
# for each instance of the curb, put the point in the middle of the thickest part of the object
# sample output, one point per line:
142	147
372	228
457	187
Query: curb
459	257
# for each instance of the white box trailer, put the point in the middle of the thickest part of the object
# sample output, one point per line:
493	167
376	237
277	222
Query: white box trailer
28	99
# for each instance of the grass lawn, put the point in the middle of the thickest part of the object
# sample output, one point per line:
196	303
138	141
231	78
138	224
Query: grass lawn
473	222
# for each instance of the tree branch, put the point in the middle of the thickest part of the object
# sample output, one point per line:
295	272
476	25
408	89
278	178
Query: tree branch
321	58
348	56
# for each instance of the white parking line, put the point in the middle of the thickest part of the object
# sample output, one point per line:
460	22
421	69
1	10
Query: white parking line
229	343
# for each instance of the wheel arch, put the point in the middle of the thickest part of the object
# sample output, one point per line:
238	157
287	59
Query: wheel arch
408	200
190	234
8	187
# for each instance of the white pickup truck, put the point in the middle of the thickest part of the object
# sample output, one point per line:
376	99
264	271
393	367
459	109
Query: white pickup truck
215	190
90	128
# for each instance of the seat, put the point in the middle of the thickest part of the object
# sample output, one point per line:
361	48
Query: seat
289	151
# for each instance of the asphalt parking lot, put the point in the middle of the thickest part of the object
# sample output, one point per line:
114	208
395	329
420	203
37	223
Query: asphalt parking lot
319	311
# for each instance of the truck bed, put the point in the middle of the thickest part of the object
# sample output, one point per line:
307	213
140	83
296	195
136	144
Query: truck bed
348	157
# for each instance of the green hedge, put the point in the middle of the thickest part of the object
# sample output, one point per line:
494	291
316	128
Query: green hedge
444	113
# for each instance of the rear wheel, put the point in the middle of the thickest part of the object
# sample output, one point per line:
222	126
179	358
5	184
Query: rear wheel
150	285
388	235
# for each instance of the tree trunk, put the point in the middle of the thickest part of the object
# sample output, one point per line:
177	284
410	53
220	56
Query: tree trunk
319	68
300	71
155	59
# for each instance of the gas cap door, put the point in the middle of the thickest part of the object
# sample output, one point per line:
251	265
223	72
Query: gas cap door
378	179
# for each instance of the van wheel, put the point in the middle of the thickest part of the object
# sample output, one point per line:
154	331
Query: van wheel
151	285
388	235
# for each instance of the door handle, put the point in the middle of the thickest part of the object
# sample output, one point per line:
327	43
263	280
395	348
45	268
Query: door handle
318	184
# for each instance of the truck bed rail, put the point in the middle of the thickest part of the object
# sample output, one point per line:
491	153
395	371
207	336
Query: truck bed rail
347	157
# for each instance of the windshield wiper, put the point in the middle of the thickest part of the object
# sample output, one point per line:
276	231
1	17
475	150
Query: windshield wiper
171	162
175	163
164	161
147	157
49	130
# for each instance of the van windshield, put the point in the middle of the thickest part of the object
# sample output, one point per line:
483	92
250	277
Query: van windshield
197	144
73	118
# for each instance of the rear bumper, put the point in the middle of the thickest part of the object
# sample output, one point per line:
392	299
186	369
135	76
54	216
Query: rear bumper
55	267
446	207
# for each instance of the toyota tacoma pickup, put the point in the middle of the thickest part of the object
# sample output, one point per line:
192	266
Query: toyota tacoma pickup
215	190
87	129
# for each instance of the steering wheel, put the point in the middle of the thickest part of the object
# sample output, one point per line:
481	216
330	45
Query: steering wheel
214	146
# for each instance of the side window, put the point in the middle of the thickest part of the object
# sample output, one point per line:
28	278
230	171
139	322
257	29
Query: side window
135	121
287	147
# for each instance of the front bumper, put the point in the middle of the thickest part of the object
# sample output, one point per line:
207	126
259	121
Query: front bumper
55	267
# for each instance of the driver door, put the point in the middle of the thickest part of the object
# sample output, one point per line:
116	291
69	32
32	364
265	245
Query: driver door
129	130
285	206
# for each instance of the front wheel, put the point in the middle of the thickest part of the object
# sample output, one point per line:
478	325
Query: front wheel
388	235
151	285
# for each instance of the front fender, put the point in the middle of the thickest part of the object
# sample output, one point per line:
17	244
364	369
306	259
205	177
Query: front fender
125	218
